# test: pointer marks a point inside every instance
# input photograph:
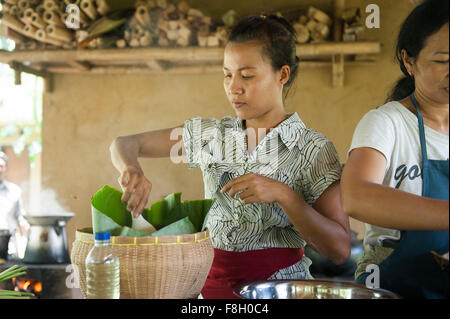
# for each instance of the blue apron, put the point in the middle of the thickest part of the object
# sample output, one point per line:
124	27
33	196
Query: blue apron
411	270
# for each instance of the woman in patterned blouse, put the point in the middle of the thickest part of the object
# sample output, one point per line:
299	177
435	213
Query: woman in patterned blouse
275	180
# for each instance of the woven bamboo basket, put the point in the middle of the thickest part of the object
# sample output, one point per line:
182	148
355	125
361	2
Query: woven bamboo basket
166	267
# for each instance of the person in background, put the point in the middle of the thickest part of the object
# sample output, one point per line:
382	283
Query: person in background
396	179
264	214
11	210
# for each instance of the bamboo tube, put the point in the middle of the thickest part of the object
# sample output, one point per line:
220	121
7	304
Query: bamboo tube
75	2
40	9
42	36
29	30
106	6
145	41
37	21
64	17
83	18
27	14
12	22
89	8
142	16
121	43
59	33
13	2
13	11
52	18
134	43
50	5
21	17
23	5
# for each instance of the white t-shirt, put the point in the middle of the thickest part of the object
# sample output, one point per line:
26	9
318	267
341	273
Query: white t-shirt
393	130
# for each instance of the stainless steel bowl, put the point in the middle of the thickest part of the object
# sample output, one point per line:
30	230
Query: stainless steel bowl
309	289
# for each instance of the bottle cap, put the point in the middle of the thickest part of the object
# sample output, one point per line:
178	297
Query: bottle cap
102	236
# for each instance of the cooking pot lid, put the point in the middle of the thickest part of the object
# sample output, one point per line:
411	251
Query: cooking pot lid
47	219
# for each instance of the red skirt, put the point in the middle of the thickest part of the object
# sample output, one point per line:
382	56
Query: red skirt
231	269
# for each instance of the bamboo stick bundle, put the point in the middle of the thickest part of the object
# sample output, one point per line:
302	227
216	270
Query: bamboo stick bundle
89	8
59	33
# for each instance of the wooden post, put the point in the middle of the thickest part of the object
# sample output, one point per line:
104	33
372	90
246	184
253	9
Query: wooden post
338	70
17	77
338	8
338	60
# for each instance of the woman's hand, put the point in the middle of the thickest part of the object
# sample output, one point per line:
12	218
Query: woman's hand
255	188
136	189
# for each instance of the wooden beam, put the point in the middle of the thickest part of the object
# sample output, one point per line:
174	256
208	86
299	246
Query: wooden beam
19	67
81	65
177	54
195	69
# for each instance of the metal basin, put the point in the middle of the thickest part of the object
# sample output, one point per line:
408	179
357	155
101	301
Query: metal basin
309	289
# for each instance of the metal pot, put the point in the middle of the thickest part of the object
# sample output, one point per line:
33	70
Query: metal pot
47	239
5	235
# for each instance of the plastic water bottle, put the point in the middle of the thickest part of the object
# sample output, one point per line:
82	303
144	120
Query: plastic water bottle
102	270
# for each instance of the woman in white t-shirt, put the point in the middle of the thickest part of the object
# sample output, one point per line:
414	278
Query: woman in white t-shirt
396	176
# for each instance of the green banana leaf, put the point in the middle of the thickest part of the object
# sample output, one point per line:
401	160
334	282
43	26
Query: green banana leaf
109	214
170	209
181	227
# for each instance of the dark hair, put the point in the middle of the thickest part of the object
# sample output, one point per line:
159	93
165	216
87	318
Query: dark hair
425	20
278	38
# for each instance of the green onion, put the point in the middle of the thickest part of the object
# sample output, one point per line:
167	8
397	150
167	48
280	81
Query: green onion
10	273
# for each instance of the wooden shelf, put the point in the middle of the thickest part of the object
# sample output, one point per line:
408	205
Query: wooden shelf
168	60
